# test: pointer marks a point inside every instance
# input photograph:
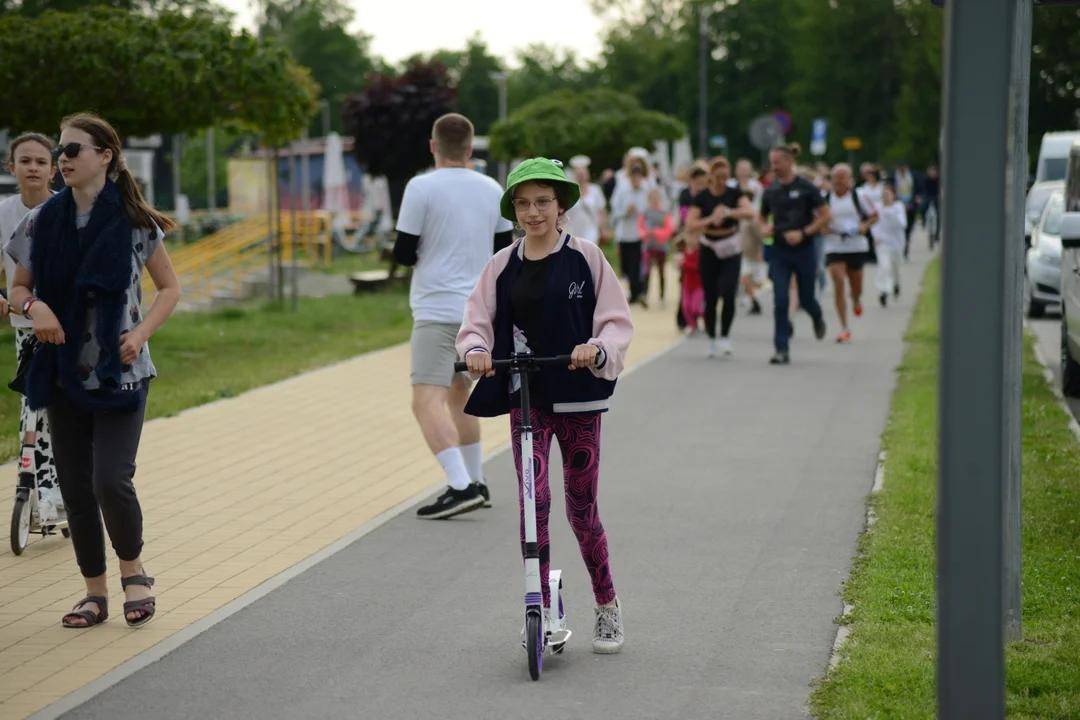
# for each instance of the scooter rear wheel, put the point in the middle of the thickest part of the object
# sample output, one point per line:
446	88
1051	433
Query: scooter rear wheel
534	643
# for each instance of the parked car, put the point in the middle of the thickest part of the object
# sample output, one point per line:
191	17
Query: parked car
1042	263
1054	154
1035	204
1069	230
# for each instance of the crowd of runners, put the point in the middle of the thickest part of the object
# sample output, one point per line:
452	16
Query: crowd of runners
496	271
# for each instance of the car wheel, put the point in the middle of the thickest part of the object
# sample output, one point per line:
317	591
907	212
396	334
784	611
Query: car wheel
1032	307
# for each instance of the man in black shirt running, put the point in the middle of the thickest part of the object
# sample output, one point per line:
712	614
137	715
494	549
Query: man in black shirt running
798	212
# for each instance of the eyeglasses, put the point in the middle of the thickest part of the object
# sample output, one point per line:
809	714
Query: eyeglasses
71	150
541	204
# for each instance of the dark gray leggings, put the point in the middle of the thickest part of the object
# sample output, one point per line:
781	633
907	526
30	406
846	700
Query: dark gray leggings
95	464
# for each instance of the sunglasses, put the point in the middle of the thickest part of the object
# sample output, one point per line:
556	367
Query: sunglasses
71	150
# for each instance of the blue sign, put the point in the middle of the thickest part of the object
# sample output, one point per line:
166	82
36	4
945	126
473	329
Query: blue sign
718	141
817	137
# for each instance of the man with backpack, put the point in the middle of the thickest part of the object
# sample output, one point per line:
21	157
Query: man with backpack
847	243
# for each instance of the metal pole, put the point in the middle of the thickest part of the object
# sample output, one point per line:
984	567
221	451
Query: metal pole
293	182
501	79
1014	325
305	174
971	480
279	282
210	169
270	177
703	84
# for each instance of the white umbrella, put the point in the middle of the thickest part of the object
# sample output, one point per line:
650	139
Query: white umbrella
682	153
335	184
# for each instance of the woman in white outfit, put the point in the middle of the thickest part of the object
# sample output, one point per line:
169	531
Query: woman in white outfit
889	239
846	244
588	218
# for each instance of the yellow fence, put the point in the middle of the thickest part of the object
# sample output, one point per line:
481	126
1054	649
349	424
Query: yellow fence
219	262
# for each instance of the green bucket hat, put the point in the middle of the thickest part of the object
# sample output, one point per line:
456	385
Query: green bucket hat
539	170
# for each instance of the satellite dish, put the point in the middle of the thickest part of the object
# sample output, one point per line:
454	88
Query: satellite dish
766	132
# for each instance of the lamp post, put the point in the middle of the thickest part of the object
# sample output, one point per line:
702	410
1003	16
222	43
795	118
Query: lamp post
500	79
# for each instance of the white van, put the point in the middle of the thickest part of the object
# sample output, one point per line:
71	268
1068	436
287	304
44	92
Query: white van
1054	155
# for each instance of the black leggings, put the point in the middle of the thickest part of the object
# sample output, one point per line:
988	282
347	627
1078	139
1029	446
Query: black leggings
720	280
630	264
95	464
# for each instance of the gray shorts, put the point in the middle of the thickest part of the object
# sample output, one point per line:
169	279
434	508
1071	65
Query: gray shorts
432	354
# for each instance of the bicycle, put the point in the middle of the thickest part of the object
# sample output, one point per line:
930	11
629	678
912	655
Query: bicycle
537	637
930	217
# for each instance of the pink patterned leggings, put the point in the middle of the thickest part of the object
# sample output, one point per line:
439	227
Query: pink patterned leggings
579	442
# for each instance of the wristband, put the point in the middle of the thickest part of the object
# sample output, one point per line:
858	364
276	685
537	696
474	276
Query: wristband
27	304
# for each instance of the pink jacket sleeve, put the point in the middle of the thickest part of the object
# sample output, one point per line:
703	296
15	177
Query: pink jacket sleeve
664	234
613	328
477	327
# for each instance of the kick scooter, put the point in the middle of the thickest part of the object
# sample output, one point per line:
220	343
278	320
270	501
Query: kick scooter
537	637
25	517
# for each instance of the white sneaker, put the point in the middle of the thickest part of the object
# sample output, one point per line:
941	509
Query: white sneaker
46	508
726	348
712	349
608	632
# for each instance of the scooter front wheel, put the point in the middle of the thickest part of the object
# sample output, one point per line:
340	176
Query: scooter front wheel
20	525
534	643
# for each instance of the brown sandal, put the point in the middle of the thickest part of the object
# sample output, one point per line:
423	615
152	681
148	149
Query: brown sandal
92	618
147	606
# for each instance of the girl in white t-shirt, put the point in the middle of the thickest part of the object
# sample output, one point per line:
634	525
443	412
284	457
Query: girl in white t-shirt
30	161
846	243
889	235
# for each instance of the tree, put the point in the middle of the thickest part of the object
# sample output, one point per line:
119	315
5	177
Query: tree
602	124
173	73
1055	73
470	72
916	131
33	8
543	70
847	56
391	122
316	33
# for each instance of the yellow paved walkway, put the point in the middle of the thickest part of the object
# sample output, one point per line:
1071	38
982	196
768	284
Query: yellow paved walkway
234	493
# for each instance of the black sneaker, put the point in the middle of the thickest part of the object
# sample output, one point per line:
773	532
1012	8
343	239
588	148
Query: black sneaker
896	292
791	329
484	492
755	307
819	328
780	358
883	298
453	502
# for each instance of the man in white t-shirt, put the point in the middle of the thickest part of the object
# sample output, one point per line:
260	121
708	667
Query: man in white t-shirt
588	218
448	227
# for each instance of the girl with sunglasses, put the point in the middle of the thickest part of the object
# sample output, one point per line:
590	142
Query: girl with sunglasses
80	259
30	161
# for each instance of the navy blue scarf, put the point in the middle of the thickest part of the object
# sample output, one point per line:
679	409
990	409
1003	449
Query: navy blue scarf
74	270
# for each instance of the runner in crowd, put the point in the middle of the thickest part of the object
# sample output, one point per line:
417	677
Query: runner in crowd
931	196
846	243
716	213
872	185
906	192
889	236
656	227
79	265
696	179
692	303
588	218
30	161
753	270
798	213
448	227
521	303
629	200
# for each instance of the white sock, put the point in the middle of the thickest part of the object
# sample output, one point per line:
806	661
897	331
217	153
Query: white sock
474	461
454	467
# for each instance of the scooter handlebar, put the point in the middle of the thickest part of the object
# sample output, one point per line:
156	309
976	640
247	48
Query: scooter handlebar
533	361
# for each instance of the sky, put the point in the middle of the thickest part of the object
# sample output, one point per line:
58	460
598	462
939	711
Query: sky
401	28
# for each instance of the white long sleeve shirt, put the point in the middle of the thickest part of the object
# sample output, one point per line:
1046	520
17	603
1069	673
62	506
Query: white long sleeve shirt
891	224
